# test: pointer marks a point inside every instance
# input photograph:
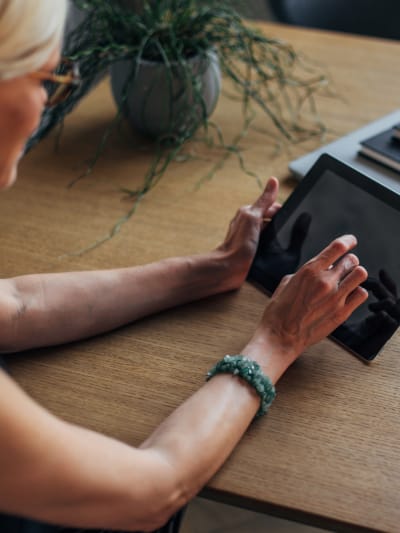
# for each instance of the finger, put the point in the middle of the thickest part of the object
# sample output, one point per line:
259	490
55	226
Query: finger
352	280
334	251
271	212
355	299
284	281
388	282
344	266
268	196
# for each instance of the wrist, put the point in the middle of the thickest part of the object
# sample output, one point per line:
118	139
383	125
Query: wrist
273	357
207	274
217	269
232	268
250	372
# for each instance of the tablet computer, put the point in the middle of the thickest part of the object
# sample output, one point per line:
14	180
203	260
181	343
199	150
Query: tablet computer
334	199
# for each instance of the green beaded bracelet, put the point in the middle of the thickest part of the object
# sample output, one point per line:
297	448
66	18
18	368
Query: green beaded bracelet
250	371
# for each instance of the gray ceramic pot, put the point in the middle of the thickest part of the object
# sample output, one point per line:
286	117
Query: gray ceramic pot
158	103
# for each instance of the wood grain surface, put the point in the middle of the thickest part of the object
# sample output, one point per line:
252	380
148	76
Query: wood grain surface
328	453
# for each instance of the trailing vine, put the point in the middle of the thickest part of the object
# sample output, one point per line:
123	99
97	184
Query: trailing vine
266	76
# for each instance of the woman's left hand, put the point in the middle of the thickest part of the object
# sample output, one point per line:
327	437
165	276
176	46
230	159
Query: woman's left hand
241	241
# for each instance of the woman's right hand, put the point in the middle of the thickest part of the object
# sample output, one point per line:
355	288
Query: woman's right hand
308	306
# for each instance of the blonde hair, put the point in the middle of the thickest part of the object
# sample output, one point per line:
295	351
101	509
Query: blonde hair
30	31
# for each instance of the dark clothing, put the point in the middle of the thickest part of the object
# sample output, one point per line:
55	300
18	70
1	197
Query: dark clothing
13	524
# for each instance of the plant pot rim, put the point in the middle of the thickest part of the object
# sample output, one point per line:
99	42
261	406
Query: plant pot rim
210	53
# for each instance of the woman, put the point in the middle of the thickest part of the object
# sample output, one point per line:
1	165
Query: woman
57	473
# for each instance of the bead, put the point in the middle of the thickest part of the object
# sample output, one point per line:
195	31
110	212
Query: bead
250	371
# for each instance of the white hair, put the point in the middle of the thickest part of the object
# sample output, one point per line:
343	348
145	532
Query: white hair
30	31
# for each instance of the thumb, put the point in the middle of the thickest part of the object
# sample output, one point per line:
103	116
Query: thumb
268	196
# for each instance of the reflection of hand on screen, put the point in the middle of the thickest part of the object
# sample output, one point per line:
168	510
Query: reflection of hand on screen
282	260
378	327
385	291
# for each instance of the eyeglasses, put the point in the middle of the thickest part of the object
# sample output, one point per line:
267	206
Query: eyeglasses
59	85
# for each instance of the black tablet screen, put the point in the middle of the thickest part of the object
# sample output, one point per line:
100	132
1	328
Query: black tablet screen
334	206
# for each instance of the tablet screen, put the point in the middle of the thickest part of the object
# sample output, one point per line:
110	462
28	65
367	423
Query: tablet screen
333	202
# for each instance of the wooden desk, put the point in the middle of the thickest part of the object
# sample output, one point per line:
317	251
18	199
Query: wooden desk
329	451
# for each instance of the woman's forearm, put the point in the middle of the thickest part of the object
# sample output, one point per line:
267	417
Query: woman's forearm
64	474
184	452
52	309
49	309
199	435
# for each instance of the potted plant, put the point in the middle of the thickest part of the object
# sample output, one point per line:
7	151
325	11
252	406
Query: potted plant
166	58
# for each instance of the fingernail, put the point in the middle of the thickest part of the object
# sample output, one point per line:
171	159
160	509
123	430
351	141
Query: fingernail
349	238
352	261
349	264
270	185
366	293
